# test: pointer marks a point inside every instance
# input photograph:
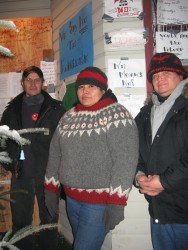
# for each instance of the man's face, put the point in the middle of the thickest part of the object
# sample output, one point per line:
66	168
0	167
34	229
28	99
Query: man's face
165	82
32	84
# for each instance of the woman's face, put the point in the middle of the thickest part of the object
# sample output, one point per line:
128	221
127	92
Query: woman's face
89	94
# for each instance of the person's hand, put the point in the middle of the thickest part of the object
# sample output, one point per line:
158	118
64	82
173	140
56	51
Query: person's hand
51	201
150	185
141	179
113	215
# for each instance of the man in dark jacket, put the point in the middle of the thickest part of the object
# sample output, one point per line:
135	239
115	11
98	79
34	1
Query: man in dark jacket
33	108
162	174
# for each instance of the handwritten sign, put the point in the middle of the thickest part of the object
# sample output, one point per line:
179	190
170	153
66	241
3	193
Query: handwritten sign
49	71
118	9
128	73
172	12
174	43
34	35
76	43
132	102
125	39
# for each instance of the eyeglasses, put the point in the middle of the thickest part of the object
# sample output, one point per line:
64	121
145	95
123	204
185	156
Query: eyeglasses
30	80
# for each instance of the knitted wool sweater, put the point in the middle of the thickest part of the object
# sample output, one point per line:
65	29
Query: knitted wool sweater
94	154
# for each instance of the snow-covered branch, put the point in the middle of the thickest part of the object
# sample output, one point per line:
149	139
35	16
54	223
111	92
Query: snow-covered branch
5	133
15	135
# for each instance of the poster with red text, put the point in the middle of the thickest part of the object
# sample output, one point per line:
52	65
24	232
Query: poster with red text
123	8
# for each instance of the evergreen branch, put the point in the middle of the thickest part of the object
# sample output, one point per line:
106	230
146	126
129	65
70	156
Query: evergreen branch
13	135
7	245
5	133
3	142
5	52
8	25
14	191
4	153
7	235
24	232
5	158
7	199
34	130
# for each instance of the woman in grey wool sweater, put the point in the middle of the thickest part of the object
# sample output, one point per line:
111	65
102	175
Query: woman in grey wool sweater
93	154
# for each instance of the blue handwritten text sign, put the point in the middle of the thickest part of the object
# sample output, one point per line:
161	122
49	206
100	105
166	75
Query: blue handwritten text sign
76	43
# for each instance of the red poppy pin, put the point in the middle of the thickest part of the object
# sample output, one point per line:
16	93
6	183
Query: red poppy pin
34	117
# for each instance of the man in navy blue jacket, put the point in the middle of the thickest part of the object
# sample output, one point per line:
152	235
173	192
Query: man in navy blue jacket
162	174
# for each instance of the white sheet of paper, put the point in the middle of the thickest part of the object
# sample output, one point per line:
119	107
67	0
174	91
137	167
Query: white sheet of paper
126	39
49	71
172	12
132	103
118	9
14	84
4	91
129	73
173	43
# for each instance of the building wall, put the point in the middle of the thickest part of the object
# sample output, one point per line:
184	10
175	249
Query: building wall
133	233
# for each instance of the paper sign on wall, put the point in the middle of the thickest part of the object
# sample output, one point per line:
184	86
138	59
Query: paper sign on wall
4	91
10	86
125	39
172	12
49	71
128	73
76	43
174	43
132	102
14	83
123	8
124	75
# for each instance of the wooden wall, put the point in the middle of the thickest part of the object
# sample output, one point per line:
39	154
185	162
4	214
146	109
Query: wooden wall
33	37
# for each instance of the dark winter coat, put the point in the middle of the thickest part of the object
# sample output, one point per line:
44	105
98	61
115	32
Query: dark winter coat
167	157
50	113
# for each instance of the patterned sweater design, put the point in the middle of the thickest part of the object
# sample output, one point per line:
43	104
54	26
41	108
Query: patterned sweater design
94	154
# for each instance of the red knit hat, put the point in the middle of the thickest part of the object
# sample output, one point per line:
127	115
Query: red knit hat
165	62
92	75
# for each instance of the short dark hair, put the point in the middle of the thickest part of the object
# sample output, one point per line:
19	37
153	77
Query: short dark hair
33	69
